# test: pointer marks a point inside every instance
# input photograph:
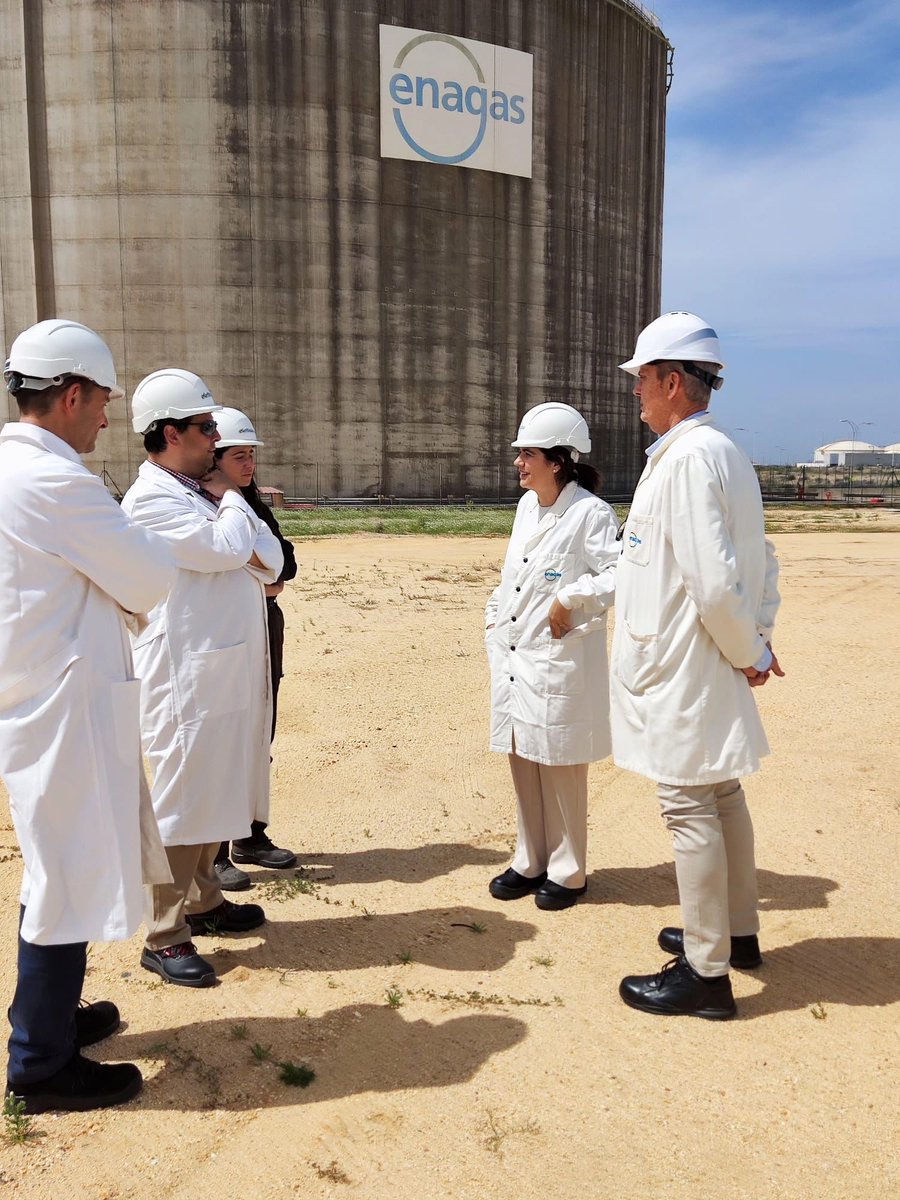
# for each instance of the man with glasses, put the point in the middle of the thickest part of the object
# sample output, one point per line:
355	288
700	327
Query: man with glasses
206	696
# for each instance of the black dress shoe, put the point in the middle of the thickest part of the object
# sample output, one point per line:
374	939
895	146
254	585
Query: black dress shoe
79	1086
94	1022
553	896
513	886
261	850
677	990
744	950
227	918
180	964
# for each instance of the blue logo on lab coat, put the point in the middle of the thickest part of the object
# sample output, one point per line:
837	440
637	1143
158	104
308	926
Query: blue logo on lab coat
633	540
551	575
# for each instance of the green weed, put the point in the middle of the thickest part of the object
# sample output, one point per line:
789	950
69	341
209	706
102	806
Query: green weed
296	1076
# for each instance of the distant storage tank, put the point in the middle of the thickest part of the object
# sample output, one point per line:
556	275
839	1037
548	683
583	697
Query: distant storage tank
202	182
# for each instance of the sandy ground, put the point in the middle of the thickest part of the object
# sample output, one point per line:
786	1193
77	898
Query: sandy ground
509	1066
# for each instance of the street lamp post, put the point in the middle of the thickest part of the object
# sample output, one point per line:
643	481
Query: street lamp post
754	433
855	427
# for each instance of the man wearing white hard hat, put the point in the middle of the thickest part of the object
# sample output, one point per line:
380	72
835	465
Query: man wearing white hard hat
72	566
205	695
696	603
546	644
235	457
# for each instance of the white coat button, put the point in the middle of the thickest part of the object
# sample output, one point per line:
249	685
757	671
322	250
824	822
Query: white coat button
512	679
524	560
518	589
512	618
512	647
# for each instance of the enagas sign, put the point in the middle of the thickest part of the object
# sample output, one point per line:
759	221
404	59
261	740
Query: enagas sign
454	101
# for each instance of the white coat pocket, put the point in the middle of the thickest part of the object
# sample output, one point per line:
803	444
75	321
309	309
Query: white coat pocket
638	540
565	667
635	660
553	571
220	680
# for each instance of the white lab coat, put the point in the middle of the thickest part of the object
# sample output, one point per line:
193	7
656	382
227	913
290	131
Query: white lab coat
206	697
70	562
552	694
696	600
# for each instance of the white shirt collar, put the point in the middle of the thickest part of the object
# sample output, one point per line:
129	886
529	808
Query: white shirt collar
673	432
43	437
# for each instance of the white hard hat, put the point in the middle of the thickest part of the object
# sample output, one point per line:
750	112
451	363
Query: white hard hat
235	429
554	424
678	337
170	394
45	353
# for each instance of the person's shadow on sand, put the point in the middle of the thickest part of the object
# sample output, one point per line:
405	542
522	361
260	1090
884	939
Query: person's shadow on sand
823	971
402	864
454	939
357	1049
655	886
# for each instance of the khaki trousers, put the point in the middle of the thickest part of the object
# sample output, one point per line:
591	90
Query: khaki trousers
552	821
194	888
716	869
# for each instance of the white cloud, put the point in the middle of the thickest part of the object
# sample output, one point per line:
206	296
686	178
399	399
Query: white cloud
735	49
802	237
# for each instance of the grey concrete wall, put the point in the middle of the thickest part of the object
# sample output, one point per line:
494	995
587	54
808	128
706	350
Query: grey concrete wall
200	181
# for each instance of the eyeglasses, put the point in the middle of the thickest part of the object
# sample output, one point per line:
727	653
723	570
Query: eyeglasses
207	428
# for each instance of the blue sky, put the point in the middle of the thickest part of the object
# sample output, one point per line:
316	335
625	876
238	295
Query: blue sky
781	219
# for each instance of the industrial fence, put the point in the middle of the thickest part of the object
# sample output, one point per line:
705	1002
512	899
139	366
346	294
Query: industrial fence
431	482
831	485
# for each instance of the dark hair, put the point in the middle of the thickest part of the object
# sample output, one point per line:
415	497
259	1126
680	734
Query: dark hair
251	492
570	471
35	402
155	437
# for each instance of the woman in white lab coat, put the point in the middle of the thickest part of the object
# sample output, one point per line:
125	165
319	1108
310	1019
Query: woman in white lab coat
546	644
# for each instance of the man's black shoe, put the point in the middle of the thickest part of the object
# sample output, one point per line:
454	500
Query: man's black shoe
79	1086
744	950
553	896
261	850
677	990
227	918
180	964
513	886
94	1022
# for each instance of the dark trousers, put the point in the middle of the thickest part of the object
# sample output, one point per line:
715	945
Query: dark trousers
275	623
42	1014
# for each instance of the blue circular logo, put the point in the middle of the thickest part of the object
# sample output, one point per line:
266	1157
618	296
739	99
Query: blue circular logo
456	98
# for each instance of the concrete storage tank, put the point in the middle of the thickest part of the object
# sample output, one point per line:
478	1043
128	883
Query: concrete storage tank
201	181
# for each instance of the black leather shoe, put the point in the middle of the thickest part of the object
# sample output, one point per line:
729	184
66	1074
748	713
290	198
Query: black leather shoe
744	950
262	851
677	990
180	964
553	896
227	918
513	886
230	877
79	1086
94	1022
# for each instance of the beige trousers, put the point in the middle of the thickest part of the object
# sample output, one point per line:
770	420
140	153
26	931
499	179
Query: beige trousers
716	869
552	820
194	888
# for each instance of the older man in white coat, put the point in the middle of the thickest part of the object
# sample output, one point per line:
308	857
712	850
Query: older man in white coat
71	567
206	702
696	604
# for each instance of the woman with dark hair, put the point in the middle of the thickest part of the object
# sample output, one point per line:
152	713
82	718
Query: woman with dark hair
235	455
546	643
